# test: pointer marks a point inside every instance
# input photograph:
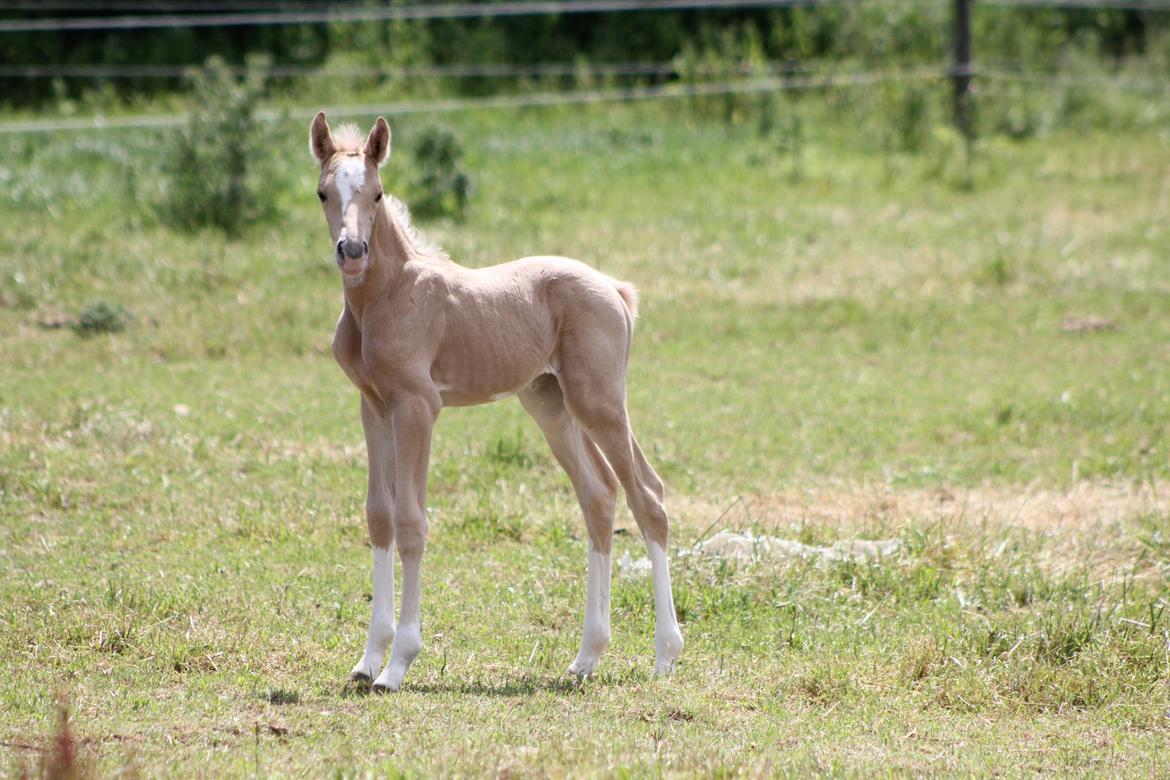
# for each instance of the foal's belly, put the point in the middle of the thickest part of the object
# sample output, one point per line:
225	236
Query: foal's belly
454	395
499	334
492	372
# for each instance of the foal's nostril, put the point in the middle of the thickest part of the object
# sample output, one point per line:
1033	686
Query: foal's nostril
355	249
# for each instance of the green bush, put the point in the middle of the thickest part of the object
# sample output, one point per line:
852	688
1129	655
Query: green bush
909	116
440	186
217	166
101	317
726	55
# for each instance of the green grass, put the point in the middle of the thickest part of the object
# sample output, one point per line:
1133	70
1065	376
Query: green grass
182	543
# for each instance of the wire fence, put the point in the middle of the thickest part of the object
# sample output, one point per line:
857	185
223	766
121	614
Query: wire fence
244	14
1087	5
457	70
1064	81
332	15
447	105
750	77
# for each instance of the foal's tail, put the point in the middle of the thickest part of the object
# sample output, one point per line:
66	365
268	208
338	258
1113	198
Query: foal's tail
629	295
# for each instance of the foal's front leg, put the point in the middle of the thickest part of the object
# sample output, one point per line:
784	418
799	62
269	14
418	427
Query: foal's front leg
412	419
379	504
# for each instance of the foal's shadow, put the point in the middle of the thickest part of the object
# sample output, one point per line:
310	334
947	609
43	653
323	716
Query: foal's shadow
524	686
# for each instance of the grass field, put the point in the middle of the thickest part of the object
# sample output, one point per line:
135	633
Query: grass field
845	345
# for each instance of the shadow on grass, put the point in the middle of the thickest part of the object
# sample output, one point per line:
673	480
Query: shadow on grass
524	686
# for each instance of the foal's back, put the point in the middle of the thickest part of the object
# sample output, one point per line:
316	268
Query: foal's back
507	324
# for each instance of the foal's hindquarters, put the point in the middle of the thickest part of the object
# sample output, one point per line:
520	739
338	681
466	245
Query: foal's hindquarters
575	439
581	409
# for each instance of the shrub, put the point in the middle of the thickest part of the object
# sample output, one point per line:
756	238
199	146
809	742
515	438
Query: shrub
216	166
726	56
440	187
101	317
948	158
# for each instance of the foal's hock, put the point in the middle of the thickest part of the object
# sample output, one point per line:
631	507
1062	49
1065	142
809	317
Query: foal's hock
419	332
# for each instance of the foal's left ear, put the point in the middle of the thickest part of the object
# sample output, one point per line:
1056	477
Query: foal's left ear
378	142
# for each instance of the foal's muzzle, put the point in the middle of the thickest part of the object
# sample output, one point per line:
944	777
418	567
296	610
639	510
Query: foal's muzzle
349	247
351	256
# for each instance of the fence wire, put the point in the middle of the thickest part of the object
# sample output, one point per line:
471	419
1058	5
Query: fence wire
332	15
1087	5
455	70
1065	81
630	94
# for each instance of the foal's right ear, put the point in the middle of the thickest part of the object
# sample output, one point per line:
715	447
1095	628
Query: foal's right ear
320	138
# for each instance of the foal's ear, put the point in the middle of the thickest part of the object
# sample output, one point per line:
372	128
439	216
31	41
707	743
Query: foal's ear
320	138
378	142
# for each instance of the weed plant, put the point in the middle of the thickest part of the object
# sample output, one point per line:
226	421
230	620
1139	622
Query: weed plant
219	166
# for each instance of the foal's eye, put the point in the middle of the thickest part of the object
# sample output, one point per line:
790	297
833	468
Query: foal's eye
321	196
378	198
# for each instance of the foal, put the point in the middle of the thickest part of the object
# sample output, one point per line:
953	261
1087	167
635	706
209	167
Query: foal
419	332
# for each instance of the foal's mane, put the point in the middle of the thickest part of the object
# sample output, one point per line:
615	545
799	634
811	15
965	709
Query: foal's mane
400	217
349	139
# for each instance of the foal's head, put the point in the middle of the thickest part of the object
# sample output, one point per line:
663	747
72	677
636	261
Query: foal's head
349	189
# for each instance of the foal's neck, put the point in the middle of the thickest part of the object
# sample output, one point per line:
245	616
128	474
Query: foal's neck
389	251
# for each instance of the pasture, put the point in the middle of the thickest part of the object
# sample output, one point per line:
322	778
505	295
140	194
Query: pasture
847	345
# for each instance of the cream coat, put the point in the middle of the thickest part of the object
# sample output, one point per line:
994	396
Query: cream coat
419	332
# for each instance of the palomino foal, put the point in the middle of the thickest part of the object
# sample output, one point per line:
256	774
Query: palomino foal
419	332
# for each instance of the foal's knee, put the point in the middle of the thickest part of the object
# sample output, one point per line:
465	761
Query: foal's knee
410	533
380	522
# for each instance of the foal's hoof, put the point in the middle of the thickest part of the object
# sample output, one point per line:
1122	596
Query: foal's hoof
663	668
365	670
582	668
390	680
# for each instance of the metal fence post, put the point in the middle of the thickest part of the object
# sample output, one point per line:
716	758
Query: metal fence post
961	68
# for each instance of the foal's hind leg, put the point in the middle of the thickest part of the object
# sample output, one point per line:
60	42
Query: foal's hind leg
596	488
598	404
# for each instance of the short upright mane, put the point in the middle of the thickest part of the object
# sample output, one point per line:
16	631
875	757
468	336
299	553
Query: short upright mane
348	139
400	217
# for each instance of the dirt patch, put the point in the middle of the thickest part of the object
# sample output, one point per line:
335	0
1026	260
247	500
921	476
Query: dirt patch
1093	525
1088	505
279	450
1089	323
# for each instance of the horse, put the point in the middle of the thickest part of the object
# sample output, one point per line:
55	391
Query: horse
419	332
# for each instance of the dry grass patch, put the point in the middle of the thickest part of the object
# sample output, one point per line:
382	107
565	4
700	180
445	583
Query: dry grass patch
1093	524
841	507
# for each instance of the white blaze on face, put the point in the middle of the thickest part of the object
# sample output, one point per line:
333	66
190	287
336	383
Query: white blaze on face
349	178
